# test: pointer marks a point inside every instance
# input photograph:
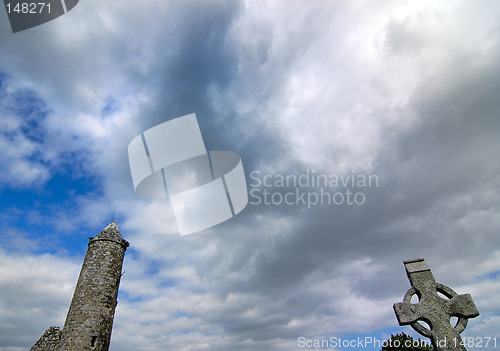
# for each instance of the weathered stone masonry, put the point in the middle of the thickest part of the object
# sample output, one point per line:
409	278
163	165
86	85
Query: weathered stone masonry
90	316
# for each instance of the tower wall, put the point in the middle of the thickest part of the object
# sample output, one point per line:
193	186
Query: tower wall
90	317
49	341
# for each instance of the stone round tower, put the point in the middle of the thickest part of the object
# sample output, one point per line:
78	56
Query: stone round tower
90	316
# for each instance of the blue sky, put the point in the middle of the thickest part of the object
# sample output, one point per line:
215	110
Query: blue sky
404	90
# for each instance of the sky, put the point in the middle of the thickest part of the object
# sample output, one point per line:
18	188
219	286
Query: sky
404	92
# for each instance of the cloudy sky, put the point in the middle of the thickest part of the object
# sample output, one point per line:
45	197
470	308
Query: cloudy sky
403	91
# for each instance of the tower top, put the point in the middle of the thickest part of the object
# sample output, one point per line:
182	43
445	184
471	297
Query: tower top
110	233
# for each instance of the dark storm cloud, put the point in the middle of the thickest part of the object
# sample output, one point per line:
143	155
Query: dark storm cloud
200	58
446	154
205	59
449	153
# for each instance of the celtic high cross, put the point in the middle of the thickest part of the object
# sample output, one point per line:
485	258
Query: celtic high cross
434	309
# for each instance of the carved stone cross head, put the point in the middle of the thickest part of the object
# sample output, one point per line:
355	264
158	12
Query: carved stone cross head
433	309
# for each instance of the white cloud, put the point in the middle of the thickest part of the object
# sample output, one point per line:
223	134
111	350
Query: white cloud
36	292
20	159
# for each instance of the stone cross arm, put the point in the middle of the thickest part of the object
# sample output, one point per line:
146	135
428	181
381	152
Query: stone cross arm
458	306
